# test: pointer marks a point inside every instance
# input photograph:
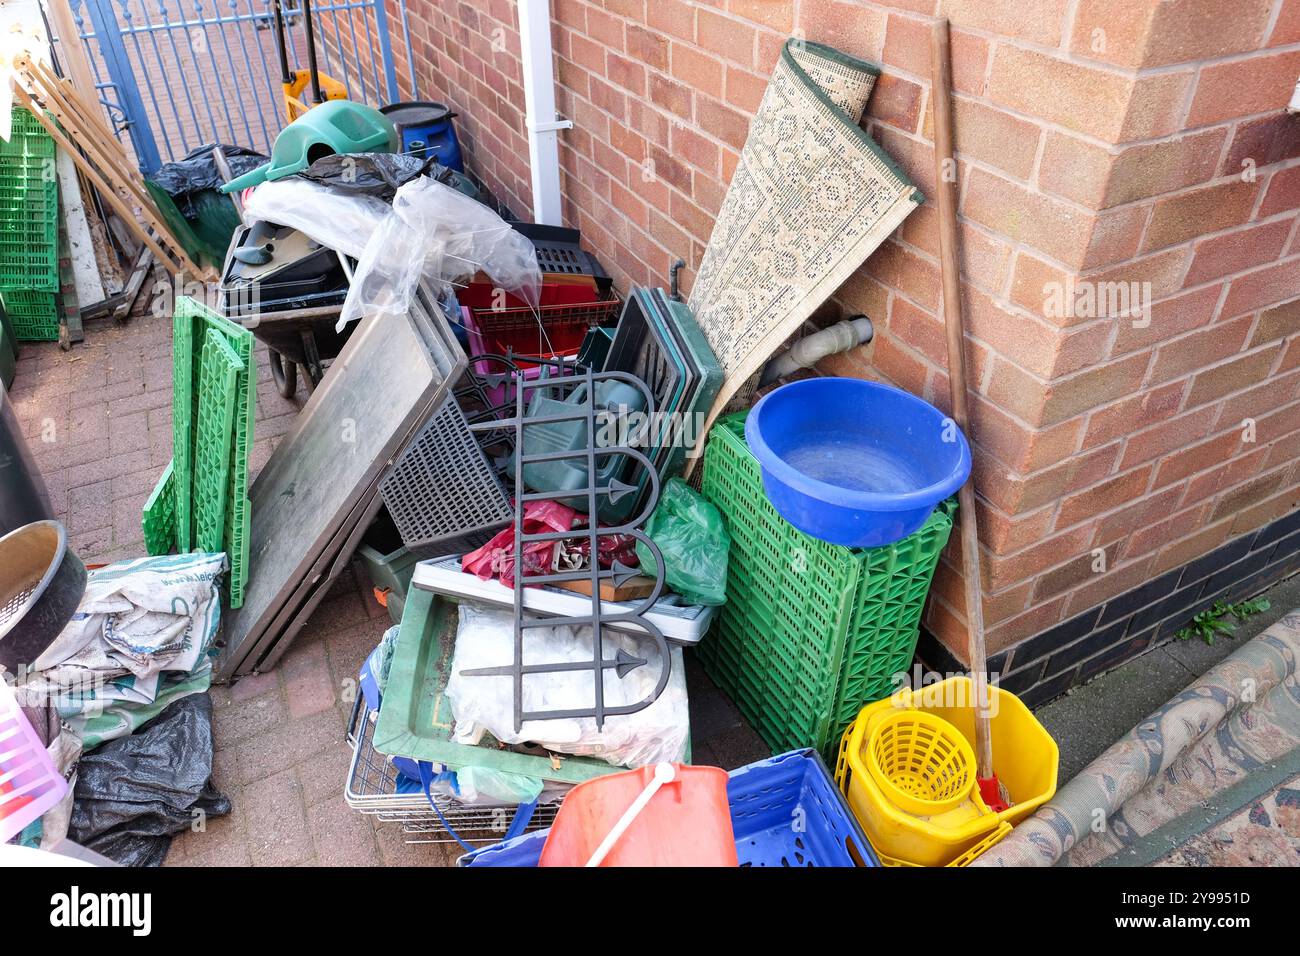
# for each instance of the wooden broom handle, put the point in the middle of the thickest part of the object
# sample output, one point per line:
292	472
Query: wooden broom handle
950	261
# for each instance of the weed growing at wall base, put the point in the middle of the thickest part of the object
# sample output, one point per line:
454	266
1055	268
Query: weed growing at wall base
1222	618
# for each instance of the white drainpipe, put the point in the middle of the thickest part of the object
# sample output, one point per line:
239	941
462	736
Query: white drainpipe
539	104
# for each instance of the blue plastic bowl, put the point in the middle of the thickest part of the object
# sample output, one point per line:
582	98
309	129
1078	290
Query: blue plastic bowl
853	462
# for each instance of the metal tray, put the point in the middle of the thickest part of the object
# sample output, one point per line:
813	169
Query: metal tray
322	481
372	789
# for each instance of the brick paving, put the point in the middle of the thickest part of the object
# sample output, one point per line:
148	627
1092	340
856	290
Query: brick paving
98	421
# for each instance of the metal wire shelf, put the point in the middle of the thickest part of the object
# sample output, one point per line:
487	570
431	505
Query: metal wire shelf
372	789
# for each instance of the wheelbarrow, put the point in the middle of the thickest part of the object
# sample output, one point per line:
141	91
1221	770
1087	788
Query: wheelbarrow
298	340
288	291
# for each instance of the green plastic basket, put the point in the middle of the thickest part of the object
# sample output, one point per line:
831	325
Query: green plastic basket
811	632
34	315
193	327
214	432
28	139
29	208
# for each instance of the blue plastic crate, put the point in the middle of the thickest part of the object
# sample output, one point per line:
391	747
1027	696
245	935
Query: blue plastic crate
786	811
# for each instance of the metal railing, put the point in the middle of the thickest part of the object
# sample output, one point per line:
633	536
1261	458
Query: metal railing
173	75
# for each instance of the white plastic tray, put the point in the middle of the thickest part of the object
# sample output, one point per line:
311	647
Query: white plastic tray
678	624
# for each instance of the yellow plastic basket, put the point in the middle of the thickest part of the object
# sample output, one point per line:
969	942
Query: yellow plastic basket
1025	760
920	762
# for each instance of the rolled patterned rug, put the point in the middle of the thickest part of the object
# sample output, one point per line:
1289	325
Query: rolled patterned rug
1219	746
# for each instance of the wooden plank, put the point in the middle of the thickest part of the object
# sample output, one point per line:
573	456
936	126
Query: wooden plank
97	180
87	120
632	589
143	266
950	275
71	52
92	119
104	152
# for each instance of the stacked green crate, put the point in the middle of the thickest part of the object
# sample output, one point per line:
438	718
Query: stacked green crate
29	230
811	632
201	500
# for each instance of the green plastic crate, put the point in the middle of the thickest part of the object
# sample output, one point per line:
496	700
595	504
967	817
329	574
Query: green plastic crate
33	314
159	515
238	507
29	207
28	139
389	563
215	428
193	326
185	377
811	632
29	234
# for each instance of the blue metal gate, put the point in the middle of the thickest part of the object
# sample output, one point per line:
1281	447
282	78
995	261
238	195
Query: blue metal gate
177	74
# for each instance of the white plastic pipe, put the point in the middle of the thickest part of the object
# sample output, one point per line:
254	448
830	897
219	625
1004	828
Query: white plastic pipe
811	349
537	59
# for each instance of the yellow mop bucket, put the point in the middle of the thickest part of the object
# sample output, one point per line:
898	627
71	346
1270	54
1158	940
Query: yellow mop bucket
296	97
966	858
908	771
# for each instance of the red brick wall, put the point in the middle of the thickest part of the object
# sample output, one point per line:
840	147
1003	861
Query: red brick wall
467	56
1099	141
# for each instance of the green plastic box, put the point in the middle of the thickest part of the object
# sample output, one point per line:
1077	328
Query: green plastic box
811	632
29	210
33	314
416	719
390	565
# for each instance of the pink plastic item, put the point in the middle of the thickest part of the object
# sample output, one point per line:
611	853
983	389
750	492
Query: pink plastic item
29	782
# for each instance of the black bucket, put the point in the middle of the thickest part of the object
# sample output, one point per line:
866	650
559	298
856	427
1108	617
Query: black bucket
24	498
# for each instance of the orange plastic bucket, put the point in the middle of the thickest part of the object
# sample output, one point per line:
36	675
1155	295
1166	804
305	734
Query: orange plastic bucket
686	823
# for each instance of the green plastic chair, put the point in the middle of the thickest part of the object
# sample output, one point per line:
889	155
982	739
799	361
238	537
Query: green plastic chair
336	126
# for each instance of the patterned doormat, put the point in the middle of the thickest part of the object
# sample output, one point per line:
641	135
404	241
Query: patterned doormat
812	197
1263	832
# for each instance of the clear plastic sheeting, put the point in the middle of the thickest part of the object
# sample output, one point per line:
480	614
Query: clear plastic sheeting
340	221
485	638
444	237
484	787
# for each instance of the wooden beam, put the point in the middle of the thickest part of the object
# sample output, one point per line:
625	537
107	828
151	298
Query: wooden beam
100	182
950	275
105	152
71	52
